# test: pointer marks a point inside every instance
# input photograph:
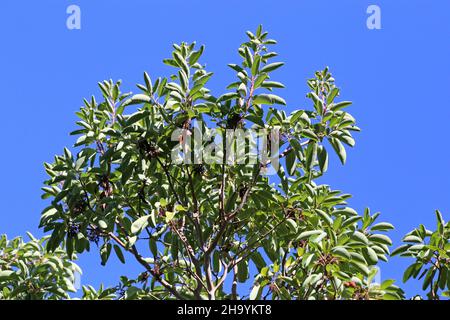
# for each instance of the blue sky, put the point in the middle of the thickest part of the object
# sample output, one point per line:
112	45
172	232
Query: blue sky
398	78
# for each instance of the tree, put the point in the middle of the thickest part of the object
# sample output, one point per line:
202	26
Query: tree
27	271
431	251
223	227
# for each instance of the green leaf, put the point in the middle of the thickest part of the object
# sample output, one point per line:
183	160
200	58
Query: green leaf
102	224
153	246
135	117
360	237
255	65
181	62
311	154
255	120
256	292
341	252
358	257
412	238
400	250
339	149
362	268
262	99
334	92
322	157
127	172
216	262
105	251
440	222
370	255
148	82
236	67
196	55
258	260
272	84
308	133
5	274
137	99
410	271
386	284
271	67
428	278
381	238
248	57
277	100
307	234
382	226
169	216
119	253
242	274
231	202
228	96
290	163
184	81
268	99
328	220
171	62
292	225
340	105
139	224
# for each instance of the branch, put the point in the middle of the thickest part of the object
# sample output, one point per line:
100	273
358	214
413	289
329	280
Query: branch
196	218
238	259
141	260
192	258
222	278
234	285
169	179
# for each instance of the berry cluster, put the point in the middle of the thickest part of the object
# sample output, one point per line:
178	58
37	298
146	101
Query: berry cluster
73	229
326	259
299	244
199	169
93	234
294	213
147	149
79	207
234	120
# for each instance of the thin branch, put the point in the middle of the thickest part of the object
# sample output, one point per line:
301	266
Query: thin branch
141	260
234	284
169	179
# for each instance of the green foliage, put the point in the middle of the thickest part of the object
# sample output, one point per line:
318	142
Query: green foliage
27	271
203	226
192	227
431	251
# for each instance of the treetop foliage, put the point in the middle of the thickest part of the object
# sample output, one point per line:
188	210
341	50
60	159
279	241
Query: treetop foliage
210	230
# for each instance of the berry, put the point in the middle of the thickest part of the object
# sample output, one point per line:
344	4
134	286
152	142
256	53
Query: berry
73	229
147	149
350	284
294	213
93	235
199	169
234	120
79	207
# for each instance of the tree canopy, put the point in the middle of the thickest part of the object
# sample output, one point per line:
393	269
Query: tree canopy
237	214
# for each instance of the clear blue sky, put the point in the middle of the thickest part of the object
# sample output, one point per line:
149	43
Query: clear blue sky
398	78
